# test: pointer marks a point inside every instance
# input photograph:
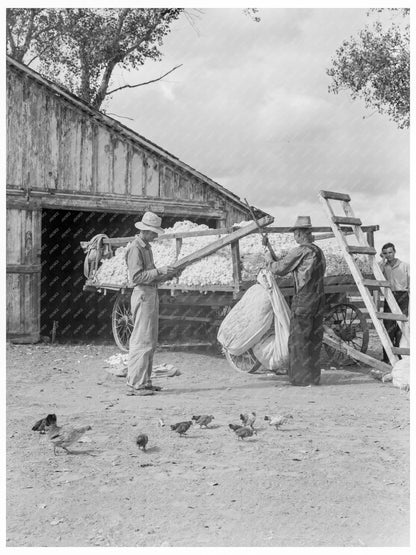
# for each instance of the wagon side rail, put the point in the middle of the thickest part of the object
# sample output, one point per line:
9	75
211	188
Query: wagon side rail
231	237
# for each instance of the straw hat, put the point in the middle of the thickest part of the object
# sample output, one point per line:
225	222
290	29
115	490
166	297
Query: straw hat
150	222
302	222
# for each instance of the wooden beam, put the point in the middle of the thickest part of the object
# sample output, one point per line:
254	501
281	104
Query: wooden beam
111	203
401	351
352	249
346	220
220	243
336	343
335	196
23	268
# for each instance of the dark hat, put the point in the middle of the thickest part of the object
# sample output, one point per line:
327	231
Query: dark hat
302	222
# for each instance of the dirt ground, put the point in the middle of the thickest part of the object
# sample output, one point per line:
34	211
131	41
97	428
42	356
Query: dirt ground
336	475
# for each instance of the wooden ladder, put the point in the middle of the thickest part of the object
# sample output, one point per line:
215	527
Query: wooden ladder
363	284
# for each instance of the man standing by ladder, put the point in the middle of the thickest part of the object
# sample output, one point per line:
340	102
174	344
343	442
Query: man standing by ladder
307	264
397	274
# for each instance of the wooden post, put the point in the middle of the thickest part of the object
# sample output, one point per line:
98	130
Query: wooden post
235	256
178	246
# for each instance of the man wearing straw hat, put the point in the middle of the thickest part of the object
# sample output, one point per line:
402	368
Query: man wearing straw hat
307	264
144	277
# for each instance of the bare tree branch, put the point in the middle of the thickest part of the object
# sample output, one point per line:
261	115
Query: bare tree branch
145	83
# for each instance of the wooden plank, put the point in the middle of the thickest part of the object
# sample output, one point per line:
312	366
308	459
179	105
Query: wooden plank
178	245
336	343
216	245
23	268
120	170
346	220
13	285
235	258
353	249
329	235
389	316
192	344
401	351
177	317
14	236
376	283
137	185
152	176
334	196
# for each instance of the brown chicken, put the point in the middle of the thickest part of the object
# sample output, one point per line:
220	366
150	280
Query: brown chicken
203	420
65	436
248	419
181	427
41	425
245	431
141	441
235	427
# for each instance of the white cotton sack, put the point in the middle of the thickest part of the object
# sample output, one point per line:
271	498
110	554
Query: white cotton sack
247	321
273	350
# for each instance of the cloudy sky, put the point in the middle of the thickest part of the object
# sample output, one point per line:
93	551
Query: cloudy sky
250	108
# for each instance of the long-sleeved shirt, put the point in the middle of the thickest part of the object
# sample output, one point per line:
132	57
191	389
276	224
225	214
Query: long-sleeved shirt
397	274
307	263
140	264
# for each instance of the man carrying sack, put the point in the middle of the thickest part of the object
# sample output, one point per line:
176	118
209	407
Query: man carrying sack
307	264
144	277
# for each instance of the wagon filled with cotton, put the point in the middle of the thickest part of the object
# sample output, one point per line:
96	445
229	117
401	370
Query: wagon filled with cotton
217	267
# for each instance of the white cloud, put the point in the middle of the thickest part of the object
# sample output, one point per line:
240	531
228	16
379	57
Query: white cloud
250	108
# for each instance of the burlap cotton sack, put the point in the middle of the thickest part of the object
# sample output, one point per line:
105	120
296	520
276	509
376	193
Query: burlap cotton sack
247	321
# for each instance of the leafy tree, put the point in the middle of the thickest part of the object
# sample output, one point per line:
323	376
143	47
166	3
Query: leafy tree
376	67
80	48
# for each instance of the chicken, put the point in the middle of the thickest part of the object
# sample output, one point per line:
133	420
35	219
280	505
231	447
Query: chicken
278	421
245	431
141	441
248	419
42	424
65	436
181	427
203	420
235	427
161	422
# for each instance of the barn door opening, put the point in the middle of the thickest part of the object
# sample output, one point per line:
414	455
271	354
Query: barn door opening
67	312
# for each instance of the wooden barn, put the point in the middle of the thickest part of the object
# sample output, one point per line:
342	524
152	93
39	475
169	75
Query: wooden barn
73	172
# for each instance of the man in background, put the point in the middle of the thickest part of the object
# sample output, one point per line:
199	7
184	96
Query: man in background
397	273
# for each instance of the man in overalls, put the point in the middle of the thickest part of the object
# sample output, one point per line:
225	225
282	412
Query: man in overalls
144	277
307	264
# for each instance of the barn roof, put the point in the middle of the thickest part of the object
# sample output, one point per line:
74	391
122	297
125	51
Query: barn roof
123	130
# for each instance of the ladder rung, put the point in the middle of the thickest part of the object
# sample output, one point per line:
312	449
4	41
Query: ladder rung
346	220
352	249
401	350
335	196
376	283
390	316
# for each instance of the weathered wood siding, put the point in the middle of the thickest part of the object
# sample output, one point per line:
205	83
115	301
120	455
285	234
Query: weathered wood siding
23	273
55	145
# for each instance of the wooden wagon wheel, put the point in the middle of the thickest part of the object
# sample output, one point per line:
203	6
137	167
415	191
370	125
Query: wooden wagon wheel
121	321
246	362
349	323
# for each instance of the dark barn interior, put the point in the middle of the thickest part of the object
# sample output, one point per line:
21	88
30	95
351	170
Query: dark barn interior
78	315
